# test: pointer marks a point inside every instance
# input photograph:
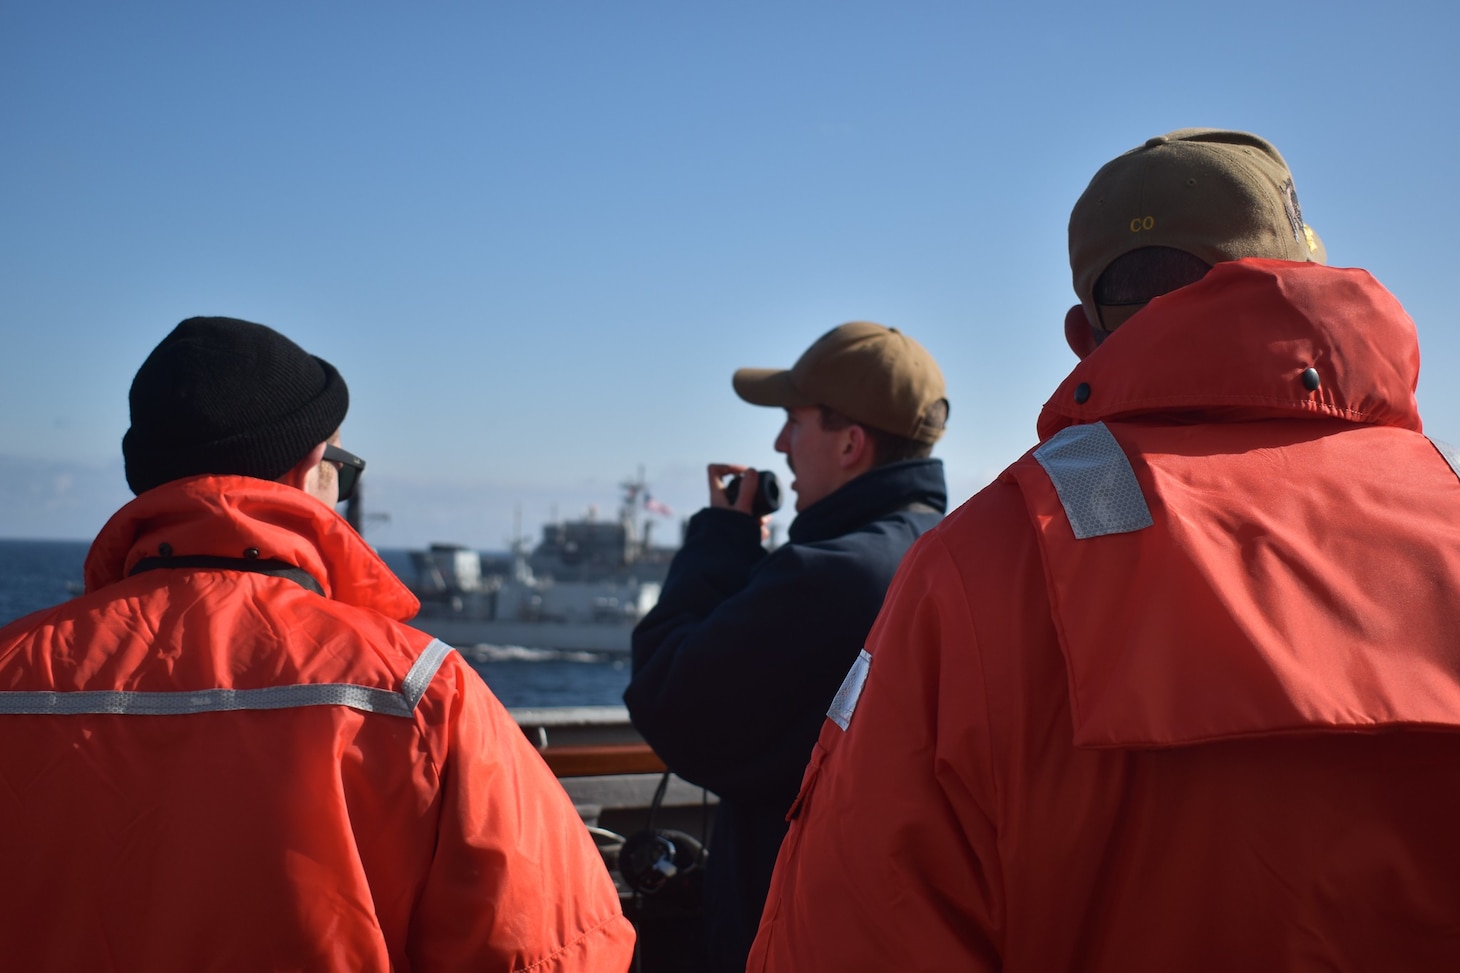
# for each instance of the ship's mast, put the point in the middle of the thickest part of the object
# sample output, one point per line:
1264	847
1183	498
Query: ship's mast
353	511
517	543
355	514
634	492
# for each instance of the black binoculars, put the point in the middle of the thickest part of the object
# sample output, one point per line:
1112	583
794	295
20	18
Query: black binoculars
767	493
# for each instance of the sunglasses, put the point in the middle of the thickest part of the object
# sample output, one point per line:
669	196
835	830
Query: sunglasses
350	467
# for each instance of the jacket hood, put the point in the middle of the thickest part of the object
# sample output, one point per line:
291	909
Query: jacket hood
226	516
1230	551
1236	344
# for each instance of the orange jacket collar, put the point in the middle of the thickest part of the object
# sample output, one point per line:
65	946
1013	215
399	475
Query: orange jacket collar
1235	345
226	516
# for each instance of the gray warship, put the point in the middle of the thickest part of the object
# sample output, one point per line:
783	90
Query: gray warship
582	588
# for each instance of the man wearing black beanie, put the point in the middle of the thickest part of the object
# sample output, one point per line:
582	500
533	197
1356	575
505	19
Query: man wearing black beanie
231	752
220	395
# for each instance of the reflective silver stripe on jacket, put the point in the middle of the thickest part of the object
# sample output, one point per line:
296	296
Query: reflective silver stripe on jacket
1448	452
1094	480
127	703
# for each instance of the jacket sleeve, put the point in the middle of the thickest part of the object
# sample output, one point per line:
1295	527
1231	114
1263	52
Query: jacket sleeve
735	665
516	882
891	861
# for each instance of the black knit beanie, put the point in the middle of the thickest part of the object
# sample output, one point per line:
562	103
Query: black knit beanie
220	395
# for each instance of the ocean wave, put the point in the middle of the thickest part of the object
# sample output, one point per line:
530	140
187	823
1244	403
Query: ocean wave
520	653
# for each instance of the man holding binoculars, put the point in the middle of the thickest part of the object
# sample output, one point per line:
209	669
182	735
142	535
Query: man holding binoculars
736	667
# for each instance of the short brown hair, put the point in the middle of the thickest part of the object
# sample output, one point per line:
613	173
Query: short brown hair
886	447
1137	276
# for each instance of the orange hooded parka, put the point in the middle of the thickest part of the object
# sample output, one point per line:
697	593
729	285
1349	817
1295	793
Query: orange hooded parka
206	767
1178	691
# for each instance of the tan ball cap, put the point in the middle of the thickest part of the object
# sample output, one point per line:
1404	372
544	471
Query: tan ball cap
1217	195
872	374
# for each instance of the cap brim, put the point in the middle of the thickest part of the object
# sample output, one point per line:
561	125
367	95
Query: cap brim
770	387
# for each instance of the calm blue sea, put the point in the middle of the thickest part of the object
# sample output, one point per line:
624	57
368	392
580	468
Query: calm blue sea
39	574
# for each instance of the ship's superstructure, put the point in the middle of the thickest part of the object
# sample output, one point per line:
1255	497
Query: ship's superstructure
583	587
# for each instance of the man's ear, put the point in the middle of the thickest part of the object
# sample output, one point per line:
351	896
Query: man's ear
298	477
856	447
1079	333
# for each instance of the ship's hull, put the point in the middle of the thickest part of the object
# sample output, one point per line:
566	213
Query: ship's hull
463	631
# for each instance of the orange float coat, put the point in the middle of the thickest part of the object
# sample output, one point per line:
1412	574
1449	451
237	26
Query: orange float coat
204	768
1179	690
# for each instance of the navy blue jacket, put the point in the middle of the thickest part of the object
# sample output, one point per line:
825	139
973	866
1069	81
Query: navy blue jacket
735	667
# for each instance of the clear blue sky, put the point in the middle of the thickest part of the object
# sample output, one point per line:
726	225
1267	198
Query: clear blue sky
537	238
